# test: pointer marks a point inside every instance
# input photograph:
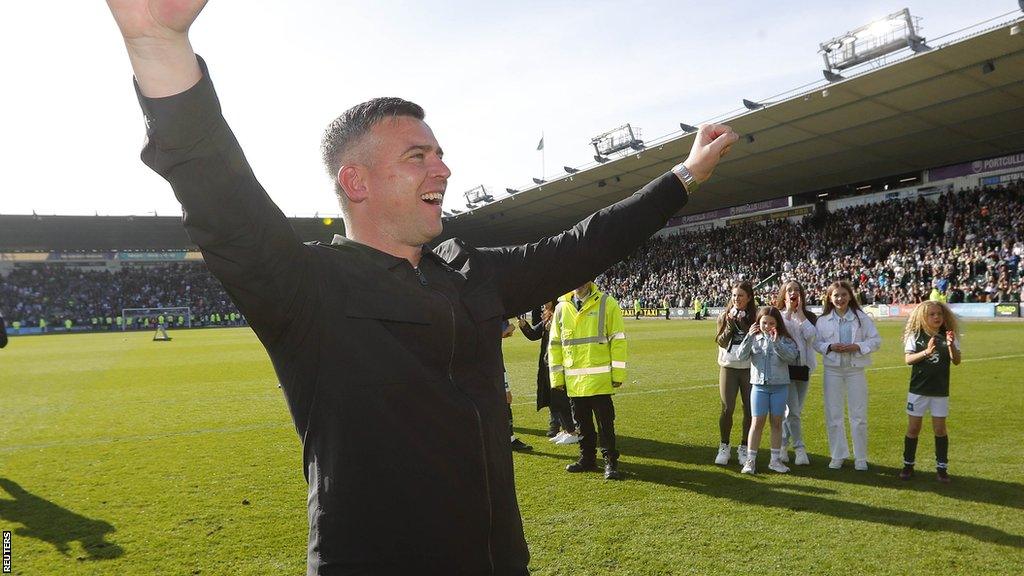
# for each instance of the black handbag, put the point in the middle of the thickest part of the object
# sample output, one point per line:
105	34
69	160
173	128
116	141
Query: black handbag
801	373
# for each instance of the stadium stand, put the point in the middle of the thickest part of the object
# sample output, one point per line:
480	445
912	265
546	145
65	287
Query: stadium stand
969	245
80	272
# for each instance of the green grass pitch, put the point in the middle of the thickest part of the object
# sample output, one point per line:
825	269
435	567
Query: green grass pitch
119	455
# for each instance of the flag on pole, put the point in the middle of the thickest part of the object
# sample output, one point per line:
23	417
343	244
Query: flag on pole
540	145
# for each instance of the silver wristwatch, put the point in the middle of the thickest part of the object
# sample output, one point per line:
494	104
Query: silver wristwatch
689	182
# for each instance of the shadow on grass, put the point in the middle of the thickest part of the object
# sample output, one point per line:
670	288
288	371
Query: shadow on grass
969	488
755	492
729	484
46	521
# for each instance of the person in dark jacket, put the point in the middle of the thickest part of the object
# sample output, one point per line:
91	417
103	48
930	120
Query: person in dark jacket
3	331
388	353
557	402
507	329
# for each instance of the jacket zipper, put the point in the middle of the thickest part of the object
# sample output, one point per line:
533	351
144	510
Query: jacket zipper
479	420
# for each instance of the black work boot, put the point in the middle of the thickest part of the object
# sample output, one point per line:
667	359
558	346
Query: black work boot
582	465
611	469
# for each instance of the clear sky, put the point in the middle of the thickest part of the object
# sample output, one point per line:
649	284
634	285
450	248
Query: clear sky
491	76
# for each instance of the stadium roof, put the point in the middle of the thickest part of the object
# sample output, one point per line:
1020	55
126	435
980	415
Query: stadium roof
102	233
925	110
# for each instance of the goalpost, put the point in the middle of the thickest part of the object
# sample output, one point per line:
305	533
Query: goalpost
167	312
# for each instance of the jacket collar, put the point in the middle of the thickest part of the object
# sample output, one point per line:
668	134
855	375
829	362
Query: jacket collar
382	259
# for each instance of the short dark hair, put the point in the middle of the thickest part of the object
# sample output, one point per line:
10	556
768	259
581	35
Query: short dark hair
353	125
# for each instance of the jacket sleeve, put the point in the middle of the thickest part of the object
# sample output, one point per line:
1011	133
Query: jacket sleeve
809	333
555	368
724	339
872	339
246	241
746	347
3	332
820	343
786	350
615	332
535	329
531	274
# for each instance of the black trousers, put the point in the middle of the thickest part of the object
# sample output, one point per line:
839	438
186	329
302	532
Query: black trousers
561	411
585	408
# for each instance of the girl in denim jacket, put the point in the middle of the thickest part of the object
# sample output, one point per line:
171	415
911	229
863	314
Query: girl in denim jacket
771	350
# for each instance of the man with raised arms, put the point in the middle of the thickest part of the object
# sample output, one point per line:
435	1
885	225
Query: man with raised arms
389	354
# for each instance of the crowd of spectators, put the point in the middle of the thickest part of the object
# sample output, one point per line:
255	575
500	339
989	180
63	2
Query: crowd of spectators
966	246
59	293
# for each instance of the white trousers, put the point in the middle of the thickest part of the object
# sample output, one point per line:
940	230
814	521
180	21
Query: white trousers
792	430
851	383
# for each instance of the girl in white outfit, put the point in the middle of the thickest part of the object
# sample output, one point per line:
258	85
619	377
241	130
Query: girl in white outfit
846	339
800	323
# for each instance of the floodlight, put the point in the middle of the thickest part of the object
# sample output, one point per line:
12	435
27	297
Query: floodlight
538	180
569	169
894	32
617	140
600	159
601	183
750	138
752	105
511	190
477	195
988	67
687	128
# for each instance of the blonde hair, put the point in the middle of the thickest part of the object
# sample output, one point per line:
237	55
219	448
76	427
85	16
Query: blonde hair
916	322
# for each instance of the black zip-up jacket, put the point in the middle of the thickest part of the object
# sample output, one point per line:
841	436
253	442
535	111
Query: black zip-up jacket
393	376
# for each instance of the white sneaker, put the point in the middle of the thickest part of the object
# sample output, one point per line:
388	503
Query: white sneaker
778	466
748	468
801	457
568	439
784	455
741	454
557	437
860	465
723	455
836	463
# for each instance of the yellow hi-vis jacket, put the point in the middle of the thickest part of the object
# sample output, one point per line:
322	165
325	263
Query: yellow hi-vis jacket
587	348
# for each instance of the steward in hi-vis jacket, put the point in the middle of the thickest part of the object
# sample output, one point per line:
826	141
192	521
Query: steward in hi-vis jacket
587	356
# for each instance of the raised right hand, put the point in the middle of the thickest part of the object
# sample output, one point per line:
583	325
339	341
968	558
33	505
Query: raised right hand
711	143
156	35
154	19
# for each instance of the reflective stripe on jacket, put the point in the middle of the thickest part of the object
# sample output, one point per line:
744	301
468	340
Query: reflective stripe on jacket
587	349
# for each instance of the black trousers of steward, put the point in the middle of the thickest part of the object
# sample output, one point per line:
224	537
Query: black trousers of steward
584	409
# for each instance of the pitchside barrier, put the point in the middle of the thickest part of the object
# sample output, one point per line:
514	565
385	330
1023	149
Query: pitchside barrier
877	311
